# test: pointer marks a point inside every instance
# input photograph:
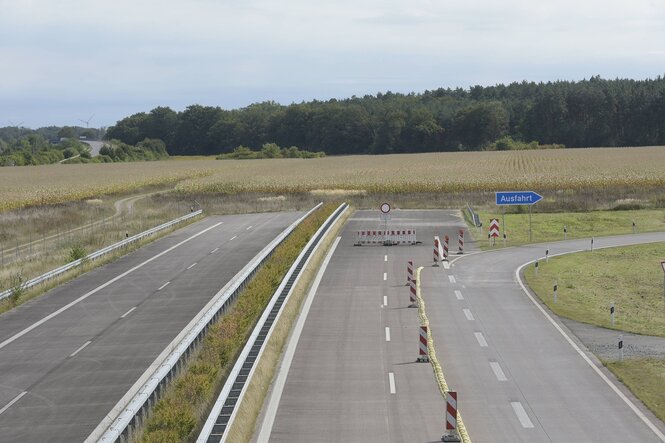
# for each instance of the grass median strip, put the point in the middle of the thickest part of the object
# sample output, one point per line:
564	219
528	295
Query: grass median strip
183	408
645	377
549	226
244	425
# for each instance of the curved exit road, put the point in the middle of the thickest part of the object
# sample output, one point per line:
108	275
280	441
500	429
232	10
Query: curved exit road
521	375
353	376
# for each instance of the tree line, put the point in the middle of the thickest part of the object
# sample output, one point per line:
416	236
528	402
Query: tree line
593	112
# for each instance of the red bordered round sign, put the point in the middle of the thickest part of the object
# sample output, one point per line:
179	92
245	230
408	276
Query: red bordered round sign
385	208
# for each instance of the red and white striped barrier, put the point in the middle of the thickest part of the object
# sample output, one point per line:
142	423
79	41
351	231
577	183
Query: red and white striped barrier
381	237
451	417
460	238
409	272
451	410
446	241
437	258
412	294
422	345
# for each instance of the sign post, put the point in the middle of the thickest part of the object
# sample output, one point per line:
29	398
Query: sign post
511	198
385	216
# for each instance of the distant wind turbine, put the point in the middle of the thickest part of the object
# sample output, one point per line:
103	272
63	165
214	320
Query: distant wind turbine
87	122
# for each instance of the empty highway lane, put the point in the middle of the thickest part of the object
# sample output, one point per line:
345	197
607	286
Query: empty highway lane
69	356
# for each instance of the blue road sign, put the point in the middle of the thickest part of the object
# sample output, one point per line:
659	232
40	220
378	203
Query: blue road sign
517	198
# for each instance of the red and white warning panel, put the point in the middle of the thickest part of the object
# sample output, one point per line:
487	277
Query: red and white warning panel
446	241
422	348
460	242
436	255
409	272
451	417
494	228
382	237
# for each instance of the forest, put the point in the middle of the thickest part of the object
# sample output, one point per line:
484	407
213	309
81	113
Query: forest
588	113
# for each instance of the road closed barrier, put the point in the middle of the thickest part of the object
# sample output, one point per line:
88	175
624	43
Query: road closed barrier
391	237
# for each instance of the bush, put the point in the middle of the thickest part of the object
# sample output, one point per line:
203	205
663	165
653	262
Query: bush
76	252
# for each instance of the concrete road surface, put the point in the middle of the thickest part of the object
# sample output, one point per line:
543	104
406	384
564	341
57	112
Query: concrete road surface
519	379
69	356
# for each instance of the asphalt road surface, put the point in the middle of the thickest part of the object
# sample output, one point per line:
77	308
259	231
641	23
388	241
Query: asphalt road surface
519	379
69	356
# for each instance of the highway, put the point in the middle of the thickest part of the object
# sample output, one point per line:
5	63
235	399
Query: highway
518	374
68	357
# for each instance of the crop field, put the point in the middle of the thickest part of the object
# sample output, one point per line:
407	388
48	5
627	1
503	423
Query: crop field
560	170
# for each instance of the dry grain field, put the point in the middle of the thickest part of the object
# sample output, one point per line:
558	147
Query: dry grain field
562	170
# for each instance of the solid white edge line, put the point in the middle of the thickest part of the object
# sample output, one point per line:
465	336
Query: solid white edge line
498	372
9	405
468	314
458	294
387	333
481	339
452	279
280	381
81	348
522	416
391	382
385	276
192	265
621	395
128	312
164	285
99	288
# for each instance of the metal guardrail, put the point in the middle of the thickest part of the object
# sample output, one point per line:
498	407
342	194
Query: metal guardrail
62	269
128	414
475	218
224	410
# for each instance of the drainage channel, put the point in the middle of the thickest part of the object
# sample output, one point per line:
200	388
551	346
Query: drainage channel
219	428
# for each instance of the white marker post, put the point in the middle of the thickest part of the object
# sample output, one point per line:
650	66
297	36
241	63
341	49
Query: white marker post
621	347
565	232
556	286
536	267
547	255
634	227
591	244
612	314
662	263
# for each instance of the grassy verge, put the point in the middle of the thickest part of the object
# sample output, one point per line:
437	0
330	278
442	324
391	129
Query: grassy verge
244	425
645	378
184	405
549	226
589	282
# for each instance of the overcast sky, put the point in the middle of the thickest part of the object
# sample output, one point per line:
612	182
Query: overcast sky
63	61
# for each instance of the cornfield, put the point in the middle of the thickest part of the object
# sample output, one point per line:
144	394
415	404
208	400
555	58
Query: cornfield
561	169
